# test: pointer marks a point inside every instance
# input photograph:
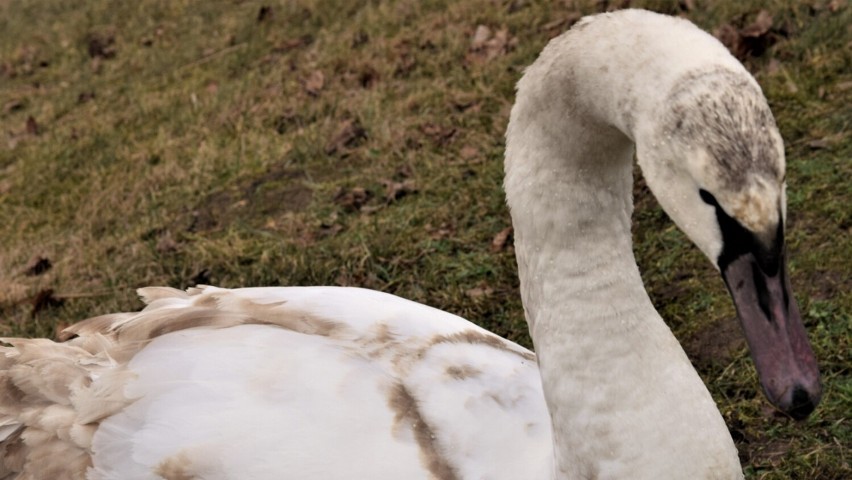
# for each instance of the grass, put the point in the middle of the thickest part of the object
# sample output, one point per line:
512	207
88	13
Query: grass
360	143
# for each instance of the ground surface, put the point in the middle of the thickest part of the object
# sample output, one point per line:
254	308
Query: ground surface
359	143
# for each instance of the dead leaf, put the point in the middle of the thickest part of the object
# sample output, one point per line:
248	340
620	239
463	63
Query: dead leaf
444	231
468	153
37	266
751	40
360	38
818	144
368	77
45	299
791	85
314	82
326	230
265	13
101	45
498	244
166	244
32	126
405	63
730	37
201	278
13	106
85	97
439	134
843	86
487	45
759	27
465	104
352	199
348	135
773	67
480	36
396	190
293	43
479	292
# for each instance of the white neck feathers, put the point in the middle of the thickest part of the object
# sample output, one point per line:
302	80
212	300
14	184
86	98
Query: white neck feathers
624	400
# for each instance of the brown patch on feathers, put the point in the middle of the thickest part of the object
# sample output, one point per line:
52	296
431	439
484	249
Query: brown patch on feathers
462	372
482	338
53	395
408	414
176	467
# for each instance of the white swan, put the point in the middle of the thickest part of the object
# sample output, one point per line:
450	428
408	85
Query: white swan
323	382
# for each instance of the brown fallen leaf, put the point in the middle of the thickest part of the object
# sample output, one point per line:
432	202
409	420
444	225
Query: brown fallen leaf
773	67
349	134
479	292
314	82
84	97
406	62
45	299
368	77
166	244
201	278
37	266
444	231
480	36
101	45
819	144
329	230
730	37
265	13
843	86
751	40
439	134
486	45
466	104
352	199
468	153
293	43
759	27
396	190
13	106
498	244
32	126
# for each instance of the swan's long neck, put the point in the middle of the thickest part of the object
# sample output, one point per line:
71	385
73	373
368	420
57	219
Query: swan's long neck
624	400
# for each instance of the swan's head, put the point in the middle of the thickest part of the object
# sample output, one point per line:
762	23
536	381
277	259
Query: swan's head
715	162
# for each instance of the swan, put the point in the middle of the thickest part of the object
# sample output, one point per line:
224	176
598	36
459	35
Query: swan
331	382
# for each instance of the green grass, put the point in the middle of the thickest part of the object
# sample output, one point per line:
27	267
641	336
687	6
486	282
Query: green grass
196	152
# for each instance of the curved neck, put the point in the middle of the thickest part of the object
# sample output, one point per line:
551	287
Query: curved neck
624	400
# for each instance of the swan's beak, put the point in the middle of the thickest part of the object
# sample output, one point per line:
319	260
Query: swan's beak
776	336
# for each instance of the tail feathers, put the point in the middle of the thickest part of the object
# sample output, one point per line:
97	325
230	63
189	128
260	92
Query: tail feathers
50	403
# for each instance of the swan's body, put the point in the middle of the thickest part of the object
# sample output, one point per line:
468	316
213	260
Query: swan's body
402	389
346	383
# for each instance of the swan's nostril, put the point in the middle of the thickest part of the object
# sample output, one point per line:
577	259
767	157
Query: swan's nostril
801	404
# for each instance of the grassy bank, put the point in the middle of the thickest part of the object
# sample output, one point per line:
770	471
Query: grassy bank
246	143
